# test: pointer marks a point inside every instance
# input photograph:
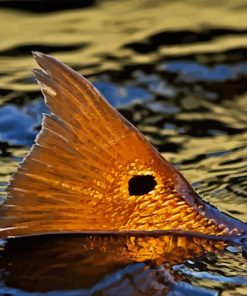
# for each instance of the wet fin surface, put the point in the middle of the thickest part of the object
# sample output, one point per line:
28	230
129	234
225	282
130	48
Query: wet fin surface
77	175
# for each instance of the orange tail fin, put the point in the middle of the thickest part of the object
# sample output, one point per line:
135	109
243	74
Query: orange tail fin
91	170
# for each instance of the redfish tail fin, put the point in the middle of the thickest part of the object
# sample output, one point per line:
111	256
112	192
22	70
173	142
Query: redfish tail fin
73	178
91	170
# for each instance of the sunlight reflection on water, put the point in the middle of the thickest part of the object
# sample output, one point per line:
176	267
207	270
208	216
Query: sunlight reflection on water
178	72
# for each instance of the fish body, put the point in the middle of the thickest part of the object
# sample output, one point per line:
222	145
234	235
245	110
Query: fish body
91	171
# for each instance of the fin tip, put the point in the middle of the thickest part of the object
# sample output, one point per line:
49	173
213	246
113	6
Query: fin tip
37	54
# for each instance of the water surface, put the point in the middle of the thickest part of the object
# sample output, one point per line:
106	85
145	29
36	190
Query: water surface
178	71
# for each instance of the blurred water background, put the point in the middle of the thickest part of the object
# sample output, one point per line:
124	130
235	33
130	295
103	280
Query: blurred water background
178	71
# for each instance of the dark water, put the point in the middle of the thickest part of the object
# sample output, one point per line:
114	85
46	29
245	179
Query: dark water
178	71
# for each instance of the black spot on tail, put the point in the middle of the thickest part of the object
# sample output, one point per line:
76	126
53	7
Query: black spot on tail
141	184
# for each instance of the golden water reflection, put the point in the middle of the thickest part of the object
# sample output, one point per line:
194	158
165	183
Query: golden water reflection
187	57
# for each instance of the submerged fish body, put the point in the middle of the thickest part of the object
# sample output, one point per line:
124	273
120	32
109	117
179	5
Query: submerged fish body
84	261
91	171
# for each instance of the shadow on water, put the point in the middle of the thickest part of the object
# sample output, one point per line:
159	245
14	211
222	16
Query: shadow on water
178	71
45	5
